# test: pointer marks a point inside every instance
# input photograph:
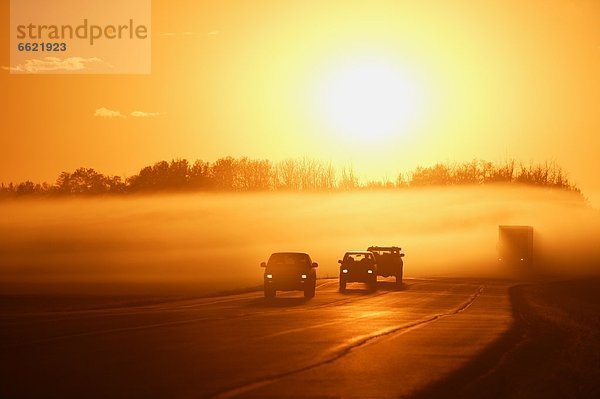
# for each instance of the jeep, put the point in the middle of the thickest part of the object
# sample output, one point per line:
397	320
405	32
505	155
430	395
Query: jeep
389	262
358	266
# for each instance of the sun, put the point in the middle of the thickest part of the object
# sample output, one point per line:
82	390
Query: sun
369	100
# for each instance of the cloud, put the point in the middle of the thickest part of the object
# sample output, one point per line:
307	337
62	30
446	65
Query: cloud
141	114
50	64
173	34
108	113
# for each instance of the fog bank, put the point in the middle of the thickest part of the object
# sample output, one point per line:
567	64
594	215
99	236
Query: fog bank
197	243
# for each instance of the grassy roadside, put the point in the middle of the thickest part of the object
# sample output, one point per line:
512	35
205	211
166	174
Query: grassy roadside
559	356
553	350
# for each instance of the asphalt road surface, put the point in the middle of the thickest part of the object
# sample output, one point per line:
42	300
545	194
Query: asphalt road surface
392	343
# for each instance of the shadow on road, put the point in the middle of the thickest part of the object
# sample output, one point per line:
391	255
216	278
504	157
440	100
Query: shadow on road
358	291
391	286
278	302
361	289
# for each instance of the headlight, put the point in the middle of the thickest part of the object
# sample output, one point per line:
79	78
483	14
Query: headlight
304	276
345	271
522	259
269	276
370	271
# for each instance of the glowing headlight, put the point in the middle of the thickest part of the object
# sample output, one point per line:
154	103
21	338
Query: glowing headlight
304	276
522	259
269	276
370	271
500	259
345	271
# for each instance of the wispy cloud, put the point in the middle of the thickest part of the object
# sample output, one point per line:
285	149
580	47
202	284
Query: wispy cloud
108	113
175	34
52	64
141	114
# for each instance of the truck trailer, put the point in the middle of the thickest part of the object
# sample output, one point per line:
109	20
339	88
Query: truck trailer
515	245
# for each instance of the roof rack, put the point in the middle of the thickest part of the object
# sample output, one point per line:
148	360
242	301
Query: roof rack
376	248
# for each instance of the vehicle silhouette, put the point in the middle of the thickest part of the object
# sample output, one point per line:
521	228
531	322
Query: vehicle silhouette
515	245
290	271
389	262
358	266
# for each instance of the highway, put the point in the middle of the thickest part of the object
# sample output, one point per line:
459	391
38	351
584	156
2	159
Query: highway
388	344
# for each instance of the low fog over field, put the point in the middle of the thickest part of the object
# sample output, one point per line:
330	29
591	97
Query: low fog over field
196	243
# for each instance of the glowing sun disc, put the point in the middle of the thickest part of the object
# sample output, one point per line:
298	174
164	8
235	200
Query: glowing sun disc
369	100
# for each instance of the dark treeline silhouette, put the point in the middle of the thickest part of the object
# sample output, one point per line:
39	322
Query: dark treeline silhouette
297	175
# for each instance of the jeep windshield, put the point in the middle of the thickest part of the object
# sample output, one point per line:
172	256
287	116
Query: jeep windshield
357	257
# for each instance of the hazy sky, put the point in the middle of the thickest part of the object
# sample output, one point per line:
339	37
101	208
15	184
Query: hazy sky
275	79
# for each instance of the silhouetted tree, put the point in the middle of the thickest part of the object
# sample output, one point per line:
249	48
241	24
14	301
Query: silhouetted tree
178	174
466	173
348	179
287	176
326	179
200	176
223	173
253	175
304	174
86	181
26	188
401	181
162	176
437	175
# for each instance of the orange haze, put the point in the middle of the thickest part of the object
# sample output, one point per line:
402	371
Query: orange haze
190	244
491	80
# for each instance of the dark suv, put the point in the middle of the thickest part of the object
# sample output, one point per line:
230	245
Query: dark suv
358	266
389	262
289	271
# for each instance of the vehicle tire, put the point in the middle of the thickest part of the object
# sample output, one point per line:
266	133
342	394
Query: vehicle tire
309	292
373	285
342	284
399	281
270	293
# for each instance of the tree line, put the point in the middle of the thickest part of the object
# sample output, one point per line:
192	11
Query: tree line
296	175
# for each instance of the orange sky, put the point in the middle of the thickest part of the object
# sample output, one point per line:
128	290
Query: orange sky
518	79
